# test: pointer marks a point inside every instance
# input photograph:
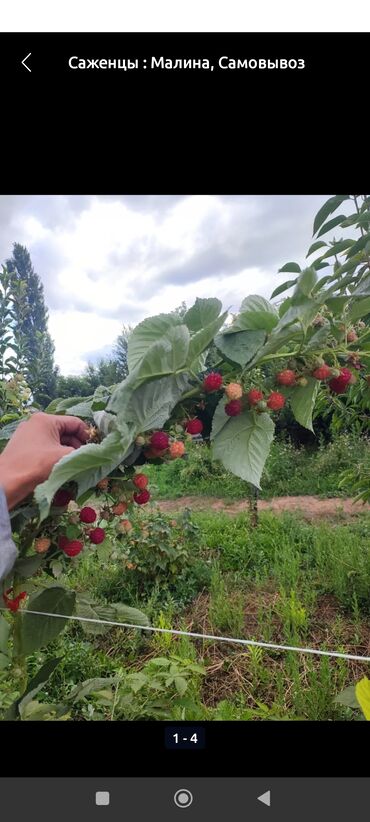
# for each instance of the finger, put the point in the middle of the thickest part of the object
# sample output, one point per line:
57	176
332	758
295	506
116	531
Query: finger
72	426
70	439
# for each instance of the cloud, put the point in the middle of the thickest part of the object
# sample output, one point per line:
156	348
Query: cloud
108	260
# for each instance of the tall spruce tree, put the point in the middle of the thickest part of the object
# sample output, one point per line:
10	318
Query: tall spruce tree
32	327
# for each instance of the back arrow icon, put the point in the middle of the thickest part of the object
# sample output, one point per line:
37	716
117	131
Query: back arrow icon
24	61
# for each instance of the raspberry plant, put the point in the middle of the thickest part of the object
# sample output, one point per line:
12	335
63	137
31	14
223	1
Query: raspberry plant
320	341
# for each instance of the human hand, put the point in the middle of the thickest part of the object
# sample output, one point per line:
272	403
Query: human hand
36	445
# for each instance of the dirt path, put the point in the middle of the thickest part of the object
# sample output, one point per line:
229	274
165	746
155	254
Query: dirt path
311	508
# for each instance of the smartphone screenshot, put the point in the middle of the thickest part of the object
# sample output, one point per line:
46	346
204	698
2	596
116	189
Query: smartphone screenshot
184	426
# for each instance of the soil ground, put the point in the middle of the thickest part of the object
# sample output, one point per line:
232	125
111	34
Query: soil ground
311	508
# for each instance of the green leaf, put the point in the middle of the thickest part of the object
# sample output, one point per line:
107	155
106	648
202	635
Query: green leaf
315	247
327	209
358	246
306	282
220	418
86	466
331	224
34	686
302	402
337	248
151	404
180	684
303	309
256	314
202	313
166	356
347	697
81	409
146	333
4	661
35	711
294	267
243	445
318	265
240	347
359	309
89	686
363	290
37	631
4	634
363	696
200	341
8	430
283	287
318	337
124	613
27	566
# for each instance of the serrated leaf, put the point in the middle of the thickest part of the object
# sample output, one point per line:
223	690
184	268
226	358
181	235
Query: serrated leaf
151	404
202	313
294	267
362	690
146	333
37	631
256	314
124	613
27	566
283	287
86	466
165	356
306	282
180	685
302	402
89	686
243	445
200	341
327	209
220	418
240	347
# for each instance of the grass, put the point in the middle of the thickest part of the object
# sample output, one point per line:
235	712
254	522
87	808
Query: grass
289	471
286	582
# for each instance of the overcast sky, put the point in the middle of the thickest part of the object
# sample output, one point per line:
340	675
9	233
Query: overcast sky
108	260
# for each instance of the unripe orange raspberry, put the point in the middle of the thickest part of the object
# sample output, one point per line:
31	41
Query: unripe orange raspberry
120	508
42	544
177	449
234	391
103	484
124	525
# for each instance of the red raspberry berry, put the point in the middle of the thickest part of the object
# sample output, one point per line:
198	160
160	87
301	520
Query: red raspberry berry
254	396
275	401
62	498
73	548
212	382
142	497
62	542
286	377
97	535
194	426
87	515
233	408
141	481
159	440
339	384
322	373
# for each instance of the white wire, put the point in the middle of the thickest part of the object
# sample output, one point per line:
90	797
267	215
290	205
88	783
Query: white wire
253	642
